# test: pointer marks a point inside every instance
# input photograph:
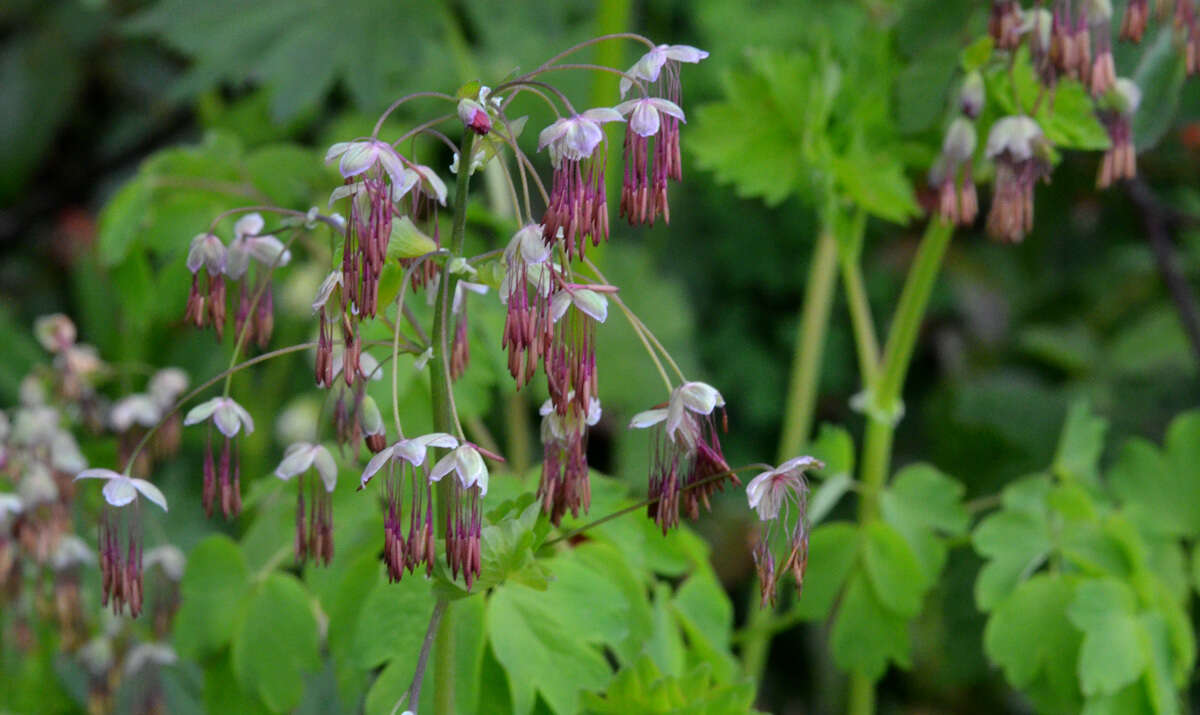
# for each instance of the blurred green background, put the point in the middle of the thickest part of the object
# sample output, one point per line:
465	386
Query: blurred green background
89	89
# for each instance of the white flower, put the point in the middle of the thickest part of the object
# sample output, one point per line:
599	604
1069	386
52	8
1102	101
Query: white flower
333	280
134	409
467	464
301	456
10	505
1015	136
358	157
208	251
166	386
55	331
586	301
769	490
227	415
412	451
575	138
648	67
698	397
528	244
560	427
457	305
643	114
122	490
169	558
247	244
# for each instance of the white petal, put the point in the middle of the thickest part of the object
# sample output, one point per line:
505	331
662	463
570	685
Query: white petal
546	408
375	465
298	458
444	466
226	419
800	464
593	415
119	491
685	53
404	183
342	192
591	303
202	411
269	251
559	304
391	163
644	120
553	133
436	185
336	150
150	491
333	280
470	467
756	487
326	467
248	225
357	158
649	418
97	473
674	417
244	416
700	397
667	107
237	259
601	115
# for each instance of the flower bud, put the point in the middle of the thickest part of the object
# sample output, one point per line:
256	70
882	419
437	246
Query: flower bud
960	141
971	97
474	116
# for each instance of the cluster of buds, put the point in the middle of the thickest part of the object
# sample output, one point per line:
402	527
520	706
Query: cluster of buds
207	305
687	465
222	474
780	496
314	535
1022	156
1116	109
120	537
951	174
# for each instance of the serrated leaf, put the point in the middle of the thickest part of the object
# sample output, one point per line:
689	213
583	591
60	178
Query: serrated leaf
1029	631
214	589
1112	654
1081	444
275	645
921	494
1162	491
1015	543
866	634
832	549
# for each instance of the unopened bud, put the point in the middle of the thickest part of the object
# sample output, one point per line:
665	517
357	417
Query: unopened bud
960	141
474	116
971	97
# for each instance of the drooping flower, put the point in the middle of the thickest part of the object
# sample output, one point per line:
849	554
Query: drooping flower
650	65
644	188
951	174
780	497
1102	72
525	292
407	474
208	305
578	203
464	524
1005	23
164	389
229	418
687	461
1020	151
1116	109
314	538
564	485
249	244
570	364
120	537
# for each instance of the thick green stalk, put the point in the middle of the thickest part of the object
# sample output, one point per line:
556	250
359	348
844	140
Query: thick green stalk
883	410
798	414
810	344
443	421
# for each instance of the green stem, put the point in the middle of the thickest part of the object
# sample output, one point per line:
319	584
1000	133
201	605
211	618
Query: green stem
861	321
810	344
884	409
444	421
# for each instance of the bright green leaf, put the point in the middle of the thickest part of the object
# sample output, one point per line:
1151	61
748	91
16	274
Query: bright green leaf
275	644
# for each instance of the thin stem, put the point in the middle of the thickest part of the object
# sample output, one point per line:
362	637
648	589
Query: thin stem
400	310
264	283
445	420
595	68
524	161
395	105
861	321
648	501
420	128
637	322
810	344
596	40
520	82
414	691
518	89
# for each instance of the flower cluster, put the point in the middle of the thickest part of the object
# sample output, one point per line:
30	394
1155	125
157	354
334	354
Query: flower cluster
780	497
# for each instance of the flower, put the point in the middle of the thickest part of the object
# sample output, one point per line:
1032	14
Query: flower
229	418
467	464
527	332
578	206
318	540
564	482
248	243
166	385
474	116
1116	109
122	490
575	138
56	332
412	451
207	252
1020	151
773	488
696	397
137	409
644	114
783	486
359	156
650	65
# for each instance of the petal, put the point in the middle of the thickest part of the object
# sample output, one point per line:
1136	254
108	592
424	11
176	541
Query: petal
700	397
298	458
800	464
333	280
444	466
649	418
667	107
402	185
202	411
336	150
559	304
150	491
644	120
553	133
600	115
226	419
390	160
593	415
591	303
533	248
685	53
357	158
625	108
119	491
546	408
269	251
756	488
326	467
470	467
237	259
674	417
245	417
375	465
342	192
650	65
248	225
436	185
97	473
414	450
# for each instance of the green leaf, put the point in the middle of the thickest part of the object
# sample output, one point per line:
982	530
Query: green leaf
892	567
1029	632
866	634
526	635
1081	444
1069	122
1161	492
1112	655
392	621
123	216
214	589
832	551
920	494
706	615
977	54
835	447
275	645
1016	543
877	184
